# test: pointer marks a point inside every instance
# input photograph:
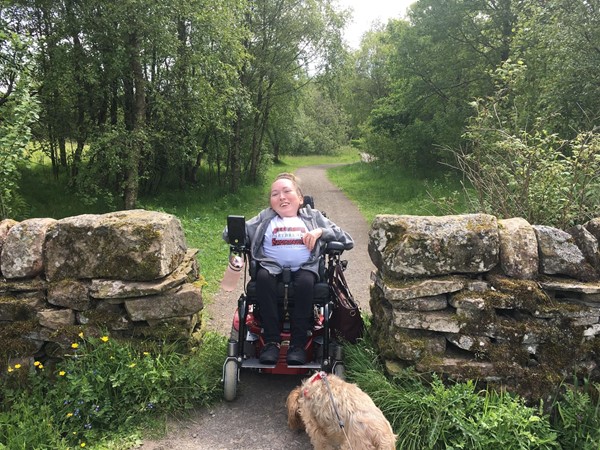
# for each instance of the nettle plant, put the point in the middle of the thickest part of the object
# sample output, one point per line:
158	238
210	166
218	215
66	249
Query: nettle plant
518	171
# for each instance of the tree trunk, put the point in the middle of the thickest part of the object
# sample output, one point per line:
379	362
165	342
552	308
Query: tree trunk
138	116
77	157
128	102
276	151
80	130
254	149
62	150
197	165
53	155
236	167
114	103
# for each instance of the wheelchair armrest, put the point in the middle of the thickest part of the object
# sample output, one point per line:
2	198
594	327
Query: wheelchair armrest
337	248
252	269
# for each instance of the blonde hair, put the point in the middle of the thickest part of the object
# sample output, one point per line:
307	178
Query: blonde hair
295	181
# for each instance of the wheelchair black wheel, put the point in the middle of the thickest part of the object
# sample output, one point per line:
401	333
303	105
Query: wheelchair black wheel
339	370
234	334
230	380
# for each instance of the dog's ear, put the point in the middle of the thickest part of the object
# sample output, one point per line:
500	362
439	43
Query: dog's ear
293	408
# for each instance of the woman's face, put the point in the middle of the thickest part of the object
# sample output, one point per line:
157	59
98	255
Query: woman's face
284	198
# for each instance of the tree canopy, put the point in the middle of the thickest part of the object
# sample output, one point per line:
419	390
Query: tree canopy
137	96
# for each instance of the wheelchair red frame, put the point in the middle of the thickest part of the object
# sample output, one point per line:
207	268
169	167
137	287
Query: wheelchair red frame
323	352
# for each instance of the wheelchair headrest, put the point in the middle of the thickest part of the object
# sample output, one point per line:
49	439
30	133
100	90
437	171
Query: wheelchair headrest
309	200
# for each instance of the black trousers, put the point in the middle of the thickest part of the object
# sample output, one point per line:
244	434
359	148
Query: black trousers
302	313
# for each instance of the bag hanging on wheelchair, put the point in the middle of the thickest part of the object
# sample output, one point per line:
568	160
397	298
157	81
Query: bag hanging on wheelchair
346	323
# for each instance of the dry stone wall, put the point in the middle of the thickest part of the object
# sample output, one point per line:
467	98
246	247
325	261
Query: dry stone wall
128	272
474	297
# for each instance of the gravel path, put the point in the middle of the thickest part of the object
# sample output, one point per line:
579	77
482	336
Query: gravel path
257	418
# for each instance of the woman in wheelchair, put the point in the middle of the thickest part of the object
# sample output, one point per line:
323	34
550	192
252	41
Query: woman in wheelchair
288	234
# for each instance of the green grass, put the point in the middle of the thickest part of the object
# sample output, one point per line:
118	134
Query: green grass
203	210
426	414
105	393
37	414
47	196
382	189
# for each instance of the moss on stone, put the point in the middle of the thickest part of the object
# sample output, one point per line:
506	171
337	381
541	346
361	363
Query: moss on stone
71	333
162	333
407	283
103	319
16	308
507	353
527	294
14	344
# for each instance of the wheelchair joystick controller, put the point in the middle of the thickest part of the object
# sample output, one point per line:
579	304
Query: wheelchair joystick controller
232	273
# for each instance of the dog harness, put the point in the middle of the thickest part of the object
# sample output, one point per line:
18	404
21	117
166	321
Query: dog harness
322	376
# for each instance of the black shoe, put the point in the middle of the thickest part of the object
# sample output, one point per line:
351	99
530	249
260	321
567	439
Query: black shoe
296	356
269	353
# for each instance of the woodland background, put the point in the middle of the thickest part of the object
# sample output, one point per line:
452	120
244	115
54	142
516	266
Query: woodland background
191	106
125	99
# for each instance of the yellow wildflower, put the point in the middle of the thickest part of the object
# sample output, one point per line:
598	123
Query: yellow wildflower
17	366
37	363
146	354
10	369
104	338
62	373
82	444
81	335
74	345
69	414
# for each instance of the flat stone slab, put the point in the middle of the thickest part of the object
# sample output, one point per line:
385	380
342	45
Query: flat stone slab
132	245
425	246
571	286
111	289
440	321
462	368
31	284
178	302
396	290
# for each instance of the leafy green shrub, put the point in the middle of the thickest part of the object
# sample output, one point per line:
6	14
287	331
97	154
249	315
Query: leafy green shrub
105	386
16	118
29	424
435	416
520	169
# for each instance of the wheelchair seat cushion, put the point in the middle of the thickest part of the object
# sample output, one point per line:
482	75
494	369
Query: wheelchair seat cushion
321	292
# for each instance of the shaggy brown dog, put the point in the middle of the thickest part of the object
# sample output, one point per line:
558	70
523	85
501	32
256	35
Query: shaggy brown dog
325	402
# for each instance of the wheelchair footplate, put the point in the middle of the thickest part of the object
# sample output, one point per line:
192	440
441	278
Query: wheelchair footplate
281	366
254	363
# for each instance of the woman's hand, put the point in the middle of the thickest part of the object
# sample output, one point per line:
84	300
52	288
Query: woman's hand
310	239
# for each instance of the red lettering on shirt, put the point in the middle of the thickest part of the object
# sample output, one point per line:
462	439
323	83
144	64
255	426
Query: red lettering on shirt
287	236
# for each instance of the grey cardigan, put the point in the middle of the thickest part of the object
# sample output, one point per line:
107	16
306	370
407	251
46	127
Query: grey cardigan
312	218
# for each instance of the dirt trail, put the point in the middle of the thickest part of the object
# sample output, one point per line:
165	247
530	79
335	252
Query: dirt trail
257	418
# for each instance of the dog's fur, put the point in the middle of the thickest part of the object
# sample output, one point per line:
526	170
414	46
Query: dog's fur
310	407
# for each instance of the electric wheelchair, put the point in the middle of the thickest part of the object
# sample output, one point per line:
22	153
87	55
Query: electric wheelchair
323	352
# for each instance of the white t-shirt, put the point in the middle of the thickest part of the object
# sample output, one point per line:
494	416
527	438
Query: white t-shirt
283	242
